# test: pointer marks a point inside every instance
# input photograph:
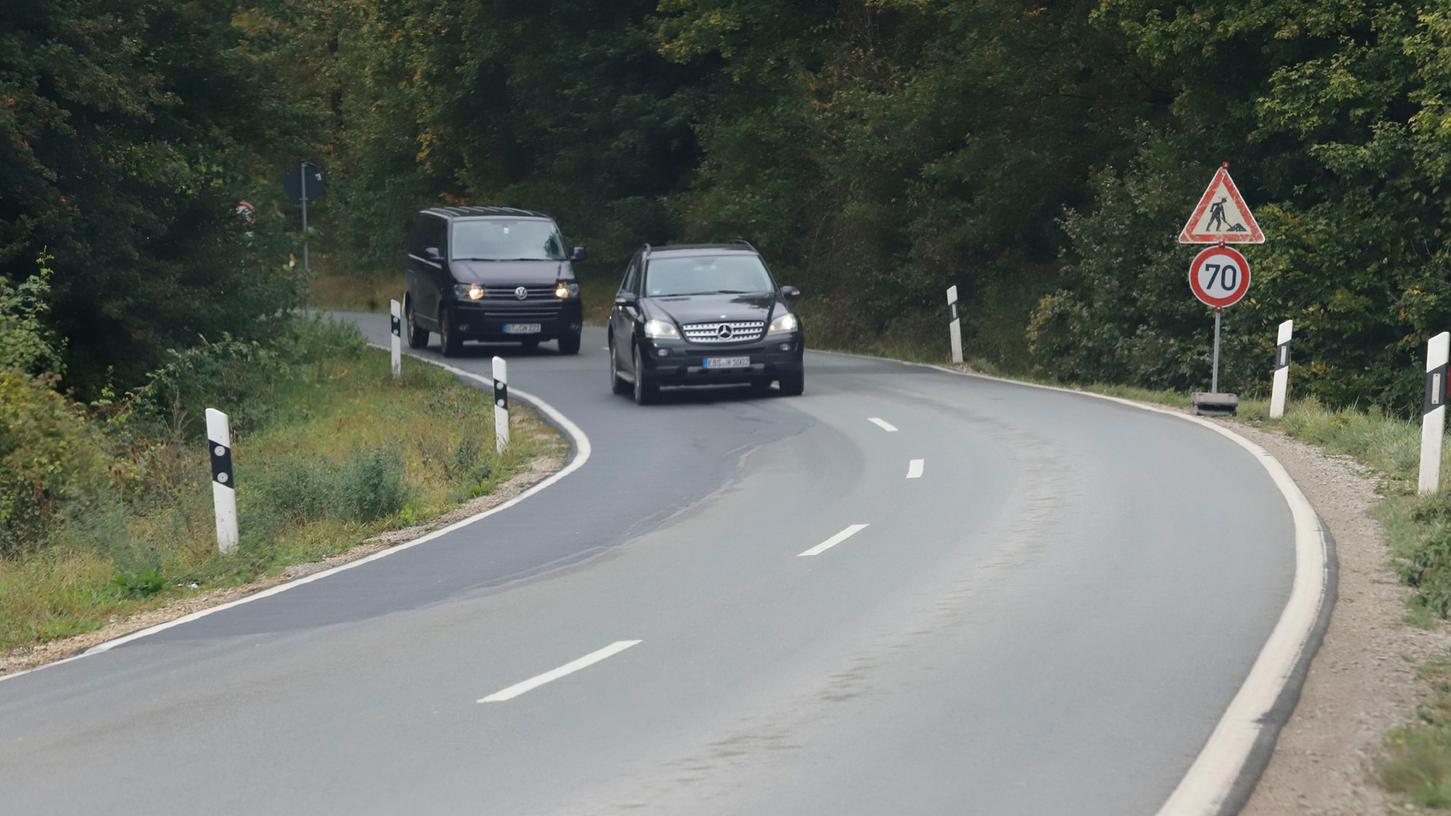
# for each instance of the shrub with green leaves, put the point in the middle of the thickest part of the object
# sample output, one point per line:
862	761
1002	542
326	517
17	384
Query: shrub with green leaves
49	459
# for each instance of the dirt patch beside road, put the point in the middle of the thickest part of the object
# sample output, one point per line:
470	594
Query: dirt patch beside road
1363	681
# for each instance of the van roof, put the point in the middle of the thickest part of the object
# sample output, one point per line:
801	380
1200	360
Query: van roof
484	212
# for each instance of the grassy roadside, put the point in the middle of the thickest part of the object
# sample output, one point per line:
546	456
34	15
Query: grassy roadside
327	452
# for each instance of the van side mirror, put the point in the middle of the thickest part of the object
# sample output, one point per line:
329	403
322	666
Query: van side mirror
790	293
578	254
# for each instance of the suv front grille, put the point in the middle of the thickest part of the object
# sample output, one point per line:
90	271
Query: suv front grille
743	331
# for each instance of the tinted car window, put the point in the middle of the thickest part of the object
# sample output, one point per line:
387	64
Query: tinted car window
706	275
506	239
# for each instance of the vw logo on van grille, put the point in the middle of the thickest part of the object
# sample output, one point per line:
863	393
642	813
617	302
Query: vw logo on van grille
521	293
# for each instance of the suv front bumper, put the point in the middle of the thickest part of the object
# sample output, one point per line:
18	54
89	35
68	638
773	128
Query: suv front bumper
678	362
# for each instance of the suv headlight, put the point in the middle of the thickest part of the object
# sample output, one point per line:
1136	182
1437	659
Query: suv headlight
564	290
656	329
784	324
468	291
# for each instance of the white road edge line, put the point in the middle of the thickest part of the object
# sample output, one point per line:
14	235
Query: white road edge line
914	468
833	541
883	424
554	674
582	453
1212	779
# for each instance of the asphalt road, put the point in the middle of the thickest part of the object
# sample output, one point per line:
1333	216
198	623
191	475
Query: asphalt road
1049	616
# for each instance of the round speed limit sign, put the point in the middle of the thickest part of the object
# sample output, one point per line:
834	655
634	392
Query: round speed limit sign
1219	276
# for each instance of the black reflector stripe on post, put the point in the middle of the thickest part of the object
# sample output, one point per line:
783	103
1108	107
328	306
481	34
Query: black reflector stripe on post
1282	356
501	394
222	465
952	307
1435	389
397	329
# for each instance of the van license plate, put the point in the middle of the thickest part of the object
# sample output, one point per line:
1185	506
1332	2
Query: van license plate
522	328
727	362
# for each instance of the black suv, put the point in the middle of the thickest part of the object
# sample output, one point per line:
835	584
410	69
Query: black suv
490	273
703	314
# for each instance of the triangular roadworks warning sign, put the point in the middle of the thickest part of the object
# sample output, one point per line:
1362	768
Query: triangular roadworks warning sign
1221	215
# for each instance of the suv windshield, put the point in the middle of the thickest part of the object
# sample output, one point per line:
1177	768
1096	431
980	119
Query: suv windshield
707	275
506	239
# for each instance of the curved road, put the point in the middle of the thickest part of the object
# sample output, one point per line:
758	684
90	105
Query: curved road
780	613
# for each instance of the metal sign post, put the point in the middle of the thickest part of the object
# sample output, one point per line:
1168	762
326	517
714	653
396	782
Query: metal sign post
302	178
1219	274
1214	371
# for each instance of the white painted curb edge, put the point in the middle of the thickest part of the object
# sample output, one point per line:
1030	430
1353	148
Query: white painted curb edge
581	456
1229	765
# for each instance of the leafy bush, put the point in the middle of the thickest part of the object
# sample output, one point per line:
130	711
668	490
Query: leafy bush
26	343
370	486
49	457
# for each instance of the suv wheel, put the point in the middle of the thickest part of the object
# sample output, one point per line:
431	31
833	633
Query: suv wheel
447	337
617	385
569	343
645	391
417	337
793	384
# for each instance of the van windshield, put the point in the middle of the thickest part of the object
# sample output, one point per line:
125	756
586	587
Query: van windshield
506	239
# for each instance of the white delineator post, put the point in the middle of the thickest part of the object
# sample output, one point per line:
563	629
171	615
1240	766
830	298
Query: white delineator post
1282	370
501	404
1433	412
395	319
955	326
224	488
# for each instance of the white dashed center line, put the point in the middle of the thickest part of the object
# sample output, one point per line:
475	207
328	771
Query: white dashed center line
833	541
914	468
550	676
883	424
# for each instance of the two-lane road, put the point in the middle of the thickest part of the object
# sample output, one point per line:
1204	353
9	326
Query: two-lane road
903	592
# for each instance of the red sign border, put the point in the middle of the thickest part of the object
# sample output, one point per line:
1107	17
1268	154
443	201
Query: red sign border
1233	297
1254	236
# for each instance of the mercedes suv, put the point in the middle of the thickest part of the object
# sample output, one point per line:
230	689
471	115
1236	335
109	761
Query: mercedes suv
702	315
490	273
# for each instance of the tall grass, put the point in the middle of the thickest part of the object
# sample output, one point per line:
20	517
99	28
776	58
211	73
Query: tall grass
327	452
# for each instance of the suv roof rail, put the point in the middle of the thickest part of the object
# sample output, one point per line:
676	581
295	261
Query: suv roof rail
647	248
747	244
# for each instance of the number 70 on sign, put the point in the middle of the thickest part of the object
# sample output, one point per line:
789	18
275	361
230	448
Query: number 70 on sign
1219	276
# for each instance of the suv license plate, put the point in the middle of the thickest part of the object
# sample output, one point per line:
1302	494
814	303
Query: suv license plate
728	362
522	328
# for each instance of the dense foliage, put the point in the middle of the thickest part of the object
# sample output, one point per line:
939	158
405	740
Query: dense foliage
1041	156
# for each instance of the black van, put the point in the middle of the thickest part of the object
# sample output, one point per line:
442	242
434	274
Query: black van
490	273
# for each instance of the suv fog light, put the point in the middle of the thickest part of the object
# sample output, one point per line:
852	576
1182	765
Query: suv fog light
785	346
662	352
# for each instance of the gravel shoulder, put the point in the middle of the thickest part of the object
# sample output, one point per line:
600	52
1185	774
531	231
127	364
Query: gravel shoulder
1363	681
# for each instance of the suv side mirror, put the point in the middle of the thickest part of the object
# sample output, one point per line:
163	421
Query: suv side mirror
578	254
790	293
625	299
432	254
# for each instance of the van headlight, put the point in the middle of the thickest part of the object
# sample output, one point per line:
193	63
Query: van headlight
564	290
468	291
657	329
784	324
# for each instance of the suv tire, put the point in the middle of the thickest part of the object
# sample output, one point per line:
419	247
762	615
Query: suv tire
793	384
448	338
569	344
617	385
417	337
645	391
